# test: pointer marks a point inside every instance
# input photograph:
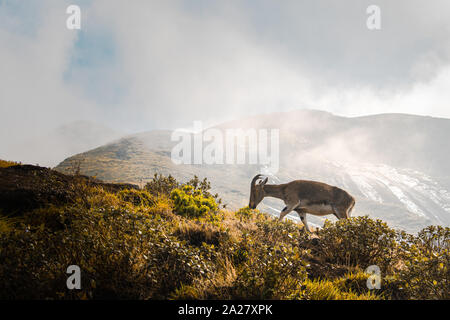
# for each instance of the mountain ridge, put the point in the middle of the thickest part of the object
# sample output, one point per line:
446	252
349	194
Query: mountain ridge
400	160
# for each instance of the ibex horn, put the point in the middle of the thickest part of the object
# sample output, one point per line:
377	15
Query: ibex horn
258	176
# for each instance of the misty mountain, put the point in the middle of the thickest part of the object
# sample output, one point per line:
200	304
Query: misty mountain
395	165
55	145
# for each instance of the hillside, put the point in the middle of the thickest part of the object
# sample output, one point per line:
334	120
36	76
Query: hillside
395	165
27	187
172	240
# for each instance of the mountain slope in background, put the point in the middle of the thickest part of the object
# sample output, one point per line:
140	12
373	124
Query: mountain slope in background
395	165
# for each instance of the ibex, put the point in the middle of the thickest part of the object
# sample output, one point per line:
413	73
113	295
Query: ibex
304	197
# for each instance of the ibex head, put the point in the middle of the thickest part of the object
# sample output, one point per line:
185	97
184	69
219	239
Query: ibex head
257	191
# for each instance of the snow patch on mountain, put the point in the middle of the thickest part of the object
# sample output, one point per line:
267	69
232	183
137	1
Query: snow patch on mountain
417	192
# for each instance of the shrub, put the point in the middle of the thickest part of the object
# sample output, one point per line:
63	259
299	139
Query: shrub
161	185
99	198
189	202
176	264
162	207
103	243
272	231
51	218
137	197
268	272
199	233
426	257
122	255
245	214
204	187
358	241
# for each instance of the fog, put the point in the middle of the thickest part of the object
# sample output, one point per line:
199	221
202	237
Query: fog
144	65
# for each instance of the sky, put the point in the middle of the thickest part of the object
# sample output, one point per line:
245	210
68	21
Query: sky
143	65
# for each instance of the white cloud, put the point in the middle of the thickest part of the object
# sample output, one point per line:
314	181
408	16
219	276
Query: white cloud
33	95
212	61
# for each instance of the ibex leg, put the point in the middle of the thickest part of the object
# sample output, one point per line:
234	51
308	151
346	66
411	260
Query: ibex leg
288	209
302	215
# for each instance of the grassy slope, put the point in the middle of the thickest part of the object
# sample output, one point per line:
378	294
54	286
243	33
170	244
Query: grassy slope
7	164
146	244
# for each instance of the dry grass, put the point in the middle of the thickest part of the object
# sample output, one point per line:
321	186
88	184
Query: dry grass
7	164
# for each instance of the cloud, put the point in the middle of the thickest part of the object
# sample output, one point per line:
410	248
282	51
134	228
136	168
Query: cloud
143	65
221	60
32	91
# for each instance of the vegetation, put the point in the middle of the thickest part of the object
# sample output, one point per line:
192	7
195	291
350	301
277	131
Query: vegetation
6	164
172	240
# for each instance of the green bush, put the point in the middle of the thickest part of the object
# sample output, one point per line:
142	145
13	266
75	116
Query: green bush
162	185
269	260
269	273
359	241
426	273
191	203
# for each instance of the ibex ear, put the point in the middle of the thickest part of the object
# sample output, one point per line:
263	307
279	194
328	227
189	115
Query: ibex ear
264	181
